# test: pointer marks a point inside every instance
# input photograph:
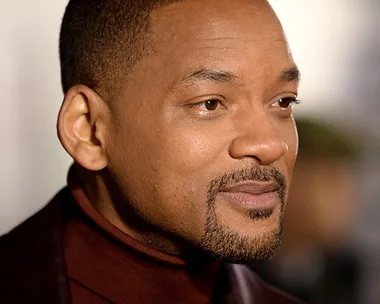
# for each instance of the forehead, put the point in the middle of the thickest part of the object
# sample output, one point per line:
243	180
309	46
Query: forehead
231	34
202	16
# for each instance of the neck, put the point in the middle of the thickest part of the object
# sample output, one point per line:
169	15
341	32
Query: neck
105	198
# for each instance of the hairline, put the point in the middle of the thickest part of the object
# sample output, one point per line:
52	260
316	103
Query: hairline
116	61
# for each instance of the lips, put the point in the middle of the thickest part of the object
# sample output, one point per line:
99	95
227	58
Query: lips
254	188
252	195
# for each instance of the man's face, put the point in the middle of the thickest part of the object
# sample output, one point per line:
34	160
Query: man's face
202	141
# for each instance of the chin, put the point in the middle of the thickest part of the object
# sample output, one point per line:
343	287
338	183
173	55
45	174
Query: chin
247	239
231	247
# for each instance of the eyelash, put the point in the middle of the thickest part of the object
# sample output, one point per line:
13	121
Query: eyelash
292	101
204	104
201	107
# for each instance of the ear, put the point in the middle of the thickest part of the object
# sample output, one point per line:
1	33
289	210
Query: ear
81	127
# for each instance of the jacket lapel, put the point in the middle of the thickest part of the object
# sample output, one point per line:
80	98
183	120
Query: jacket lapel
32	263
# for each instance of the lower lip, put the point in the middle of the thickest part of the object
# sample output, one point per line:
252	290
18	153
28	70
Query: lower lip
263	201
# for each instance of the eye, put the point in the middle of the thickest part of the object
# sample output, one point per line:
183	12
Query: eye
209	107
286	102
211	104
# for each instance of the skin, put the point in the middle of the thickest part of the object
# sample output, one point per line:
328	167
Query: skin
204	105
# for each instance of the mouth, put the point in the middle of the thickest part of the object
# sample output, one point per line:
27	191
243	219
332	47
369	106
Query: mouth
252	196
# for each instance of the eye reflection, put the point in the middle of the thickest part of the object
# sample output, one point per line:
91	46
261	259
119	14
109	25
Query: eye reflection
211	105
287	102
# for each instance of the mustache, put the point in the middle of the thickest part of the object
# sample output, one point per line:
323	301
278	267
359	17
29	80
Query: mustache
254	173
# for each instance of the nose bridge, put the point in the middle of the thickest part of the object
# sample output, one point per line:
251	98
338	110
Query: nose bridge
256	124
257	137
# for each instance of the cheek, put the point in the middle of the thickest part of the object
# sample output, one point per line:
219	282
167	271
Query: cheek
184	165
186	162
189	146
171	169
189	152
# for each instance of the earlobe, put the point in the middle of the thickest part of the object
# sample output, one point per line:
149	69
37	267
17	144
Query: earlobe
81	127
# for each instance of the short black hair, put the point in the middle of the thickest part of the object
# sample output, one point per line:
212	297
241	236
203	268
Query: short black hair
101	40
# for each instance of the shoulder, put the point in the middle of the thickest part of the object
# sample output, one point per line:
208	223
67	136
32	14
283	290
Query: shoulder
31	260
49	216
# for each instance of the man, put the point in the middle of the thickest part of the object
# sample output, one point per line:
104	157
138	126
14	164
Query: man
178	115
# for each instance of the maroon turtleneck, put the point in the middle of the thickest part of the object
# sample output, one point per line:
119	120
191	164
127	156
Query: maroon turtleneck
107	266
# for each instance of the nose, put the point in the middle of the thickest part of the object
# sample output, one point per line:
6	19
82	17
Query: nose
258	138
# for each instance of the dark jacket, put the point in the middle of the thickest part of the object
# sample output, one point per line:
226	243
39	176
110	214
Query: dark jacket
33	270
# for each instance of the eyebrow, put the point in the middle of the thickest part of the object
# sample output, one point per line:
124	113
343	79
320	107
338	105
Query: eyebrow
209	74
289	75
